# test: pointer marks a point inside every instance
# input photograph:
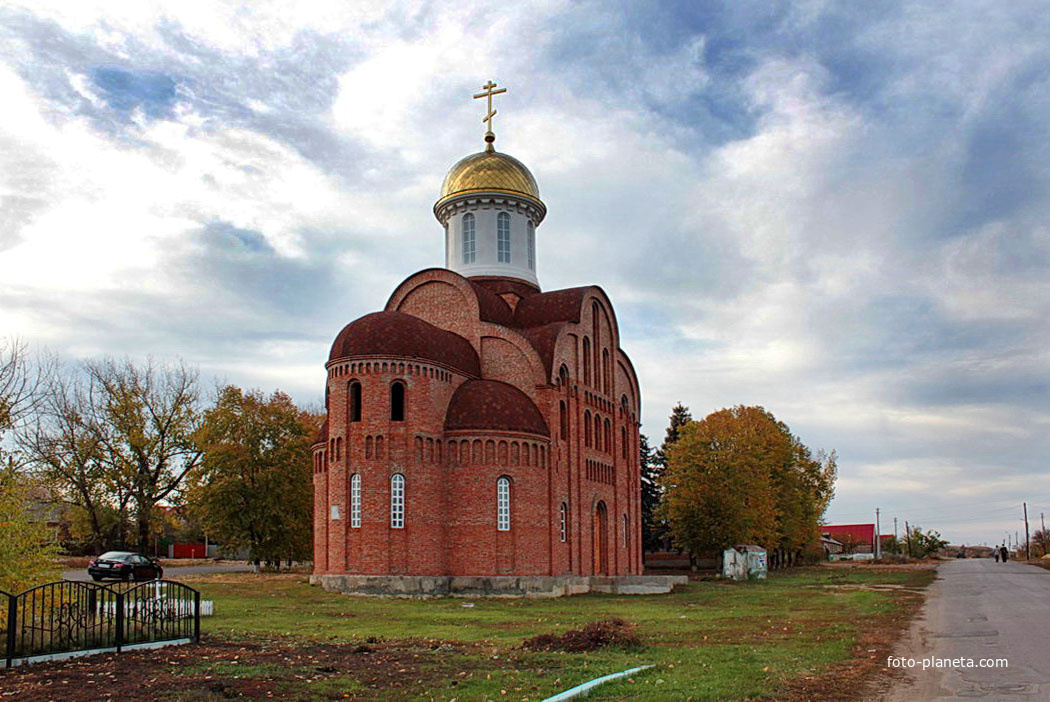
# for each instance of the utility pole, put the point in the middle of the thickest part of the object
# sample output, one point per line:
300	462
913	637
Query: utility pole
907	535
1027	542
878	538
1042	521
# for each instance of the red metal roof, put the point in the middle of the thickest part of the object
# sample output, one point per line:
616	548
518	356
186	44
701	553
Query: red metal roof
860	533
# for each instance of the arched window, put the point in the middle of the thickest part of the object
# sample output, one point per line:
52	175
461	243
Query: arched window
563	376
564	414
586	361
503	237
608	437
469	240
397	501
563	521
503	504
587	428
623	442
532	245
354	407
355	500
597	432
397	401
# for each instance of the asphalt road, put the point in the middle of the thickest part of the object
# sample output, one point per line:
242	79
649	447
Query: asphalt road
172	572
979	609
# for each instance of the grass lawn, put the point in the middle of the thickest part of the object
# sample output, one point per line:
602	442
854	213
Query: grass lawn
811	633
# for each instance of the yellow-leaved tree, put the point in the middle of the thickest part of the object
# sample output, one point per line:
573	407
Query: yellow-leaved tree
27	550
740	477
253	489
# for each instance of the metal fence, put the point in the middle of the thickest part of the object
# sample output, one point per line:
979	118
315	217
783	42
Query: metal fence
72	618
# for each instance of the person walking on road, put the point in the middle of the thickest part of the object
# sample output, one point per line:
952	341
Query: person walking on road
996	552
1003	553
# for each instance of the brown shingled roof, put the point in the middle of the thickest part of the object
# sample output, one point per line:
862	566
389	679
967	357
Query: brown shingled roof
402	335
554	306
543	339
491	307
493	405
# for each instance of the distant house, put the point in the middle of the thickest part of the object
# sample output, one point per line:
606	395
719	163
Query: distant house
854	538
831	545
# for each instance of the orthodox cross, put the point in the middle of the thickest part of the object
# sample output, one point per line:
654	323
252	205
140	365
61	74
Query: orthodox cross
490	136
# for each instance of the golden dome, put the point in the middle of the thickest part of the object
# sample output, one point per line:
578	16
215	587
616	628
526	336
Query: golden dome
489	171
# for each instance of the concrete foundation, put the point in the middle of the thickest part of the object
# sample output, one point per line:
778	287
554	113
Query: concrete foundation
496	586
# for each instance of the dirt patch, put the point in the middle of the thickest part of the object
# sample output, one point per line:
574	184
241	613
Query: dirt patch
596	635
242	578
913	565
253	670
854	587
865	670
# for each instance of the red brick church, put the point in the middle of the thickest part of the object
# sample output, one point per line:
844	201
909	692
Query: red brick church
478	425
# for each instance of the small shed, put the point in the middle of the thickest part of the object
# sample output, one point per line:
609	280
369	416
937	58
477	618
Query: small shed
744	562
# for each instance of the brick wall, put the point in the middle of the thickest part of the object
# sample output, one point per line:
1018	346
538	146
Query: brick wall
450	525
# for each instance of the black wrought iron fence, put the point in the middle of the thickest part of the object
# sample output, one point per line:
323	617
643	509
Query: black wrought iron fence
68	616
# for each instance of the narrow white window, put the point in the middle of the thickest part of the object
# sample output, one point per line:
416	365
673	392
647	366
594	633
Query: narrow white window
532	246
503	504
355	500
397	501
563	514
469	241
335	512
503	237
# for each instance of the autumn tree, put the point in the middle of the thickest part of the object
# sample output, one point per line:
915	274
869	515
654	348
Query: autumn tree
740	476
921	544
253	488
27	549
1041	542
62	445
145	418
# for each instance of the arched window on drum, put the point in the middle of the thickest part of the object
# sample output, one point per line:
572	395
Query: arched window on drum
503	504
397	501
503	237
469	239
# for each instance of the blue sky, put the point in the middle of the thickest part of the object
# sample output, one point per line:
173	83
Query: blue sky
838	211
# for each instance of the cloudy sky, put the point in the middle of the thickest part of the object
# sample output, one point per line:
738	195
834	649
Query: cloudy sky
839	211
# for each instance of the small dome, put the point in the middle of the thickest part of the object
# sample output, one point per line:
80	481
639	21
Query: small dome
491	405
401	335
489	171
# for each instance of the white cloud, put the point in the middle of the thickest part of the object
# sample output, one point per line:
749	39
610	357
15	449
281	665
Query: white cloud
778	226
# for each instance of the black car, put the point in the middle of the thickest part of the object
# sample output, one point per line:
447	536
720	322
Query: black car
121	565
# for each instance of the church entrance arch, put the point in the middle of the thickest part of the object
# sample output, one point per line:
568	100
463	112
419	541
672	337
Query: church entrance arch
600	530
